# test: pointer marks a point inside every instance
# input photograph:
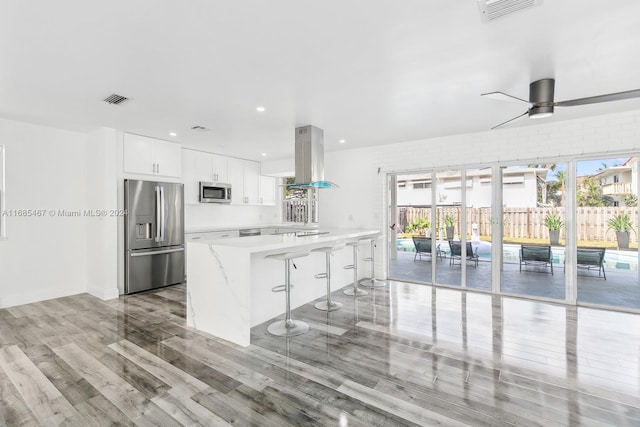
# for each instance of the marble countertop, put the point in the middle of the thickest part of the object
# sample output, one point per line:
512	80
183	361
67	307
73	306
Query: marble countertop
295	225
267	243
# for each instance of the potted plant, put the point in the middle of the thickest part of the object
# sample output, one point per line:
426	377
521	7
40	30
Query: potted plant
449	222
554	223
622	225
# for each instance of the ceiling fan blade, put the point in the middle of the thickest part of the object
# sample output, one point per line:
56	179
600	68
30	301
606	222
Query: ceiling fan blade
510	120
618	96
501	96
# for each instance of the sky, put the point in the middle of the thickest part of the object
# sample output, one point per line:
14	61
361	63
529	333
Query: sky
587	167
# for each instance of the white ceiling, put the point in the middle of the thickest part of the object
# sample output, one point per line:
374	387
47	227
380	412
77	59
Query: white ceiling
369	71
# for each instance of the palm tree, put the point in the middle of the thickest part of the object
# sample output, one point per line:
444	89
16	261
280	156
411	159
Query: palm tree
590	193
561	177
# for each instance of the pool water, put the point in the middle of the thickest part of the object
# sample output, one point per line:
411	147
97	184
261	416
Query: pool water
511	254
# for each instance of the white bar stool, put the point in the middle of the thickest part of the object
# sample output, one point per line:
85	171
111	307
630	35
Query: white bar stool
371	282
328	305
354	291
287	327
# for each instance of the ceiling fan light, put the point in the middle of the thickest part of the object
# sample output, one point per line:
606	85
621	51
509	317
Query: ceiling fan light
540	112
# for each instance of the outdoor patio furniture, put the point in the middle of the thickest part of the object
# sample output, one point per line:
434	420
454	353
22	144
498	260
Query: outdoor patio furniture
455	247
537	255
423	246
590	258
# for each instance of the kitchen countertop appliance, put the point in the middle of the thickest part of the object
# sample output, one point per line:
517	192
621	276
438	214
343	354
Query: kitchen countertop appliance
154	234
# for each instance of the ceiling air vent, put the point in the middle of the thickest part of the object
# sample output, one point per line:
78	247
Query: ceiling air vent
493	9
115	99
199	128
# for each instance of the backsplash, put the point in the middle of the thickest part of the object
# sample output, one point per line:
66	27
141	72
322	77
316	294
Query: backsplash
210	214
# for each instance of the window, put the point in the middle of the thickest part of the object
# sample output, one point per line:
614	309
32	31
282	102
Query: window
421	185
616	179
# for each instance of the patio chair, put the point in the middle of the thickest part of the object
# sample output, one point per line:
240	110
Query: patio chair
423	246
536	255
590	258
456	253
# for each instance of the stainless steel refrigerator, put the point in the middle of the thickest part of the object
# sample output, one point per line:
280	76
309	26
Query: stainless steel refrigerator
154	234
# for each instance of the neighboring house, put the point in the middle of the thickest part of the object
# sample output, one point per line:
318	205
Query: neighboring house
618	182
520	188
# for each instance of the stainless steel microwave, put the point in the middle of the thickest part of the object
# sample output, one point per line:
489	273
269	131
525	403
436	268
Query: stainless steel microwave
215	192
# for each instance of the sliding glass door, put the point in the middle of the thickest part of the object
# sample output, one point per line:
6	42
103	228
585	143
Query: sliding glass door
607	239
448	227
533	220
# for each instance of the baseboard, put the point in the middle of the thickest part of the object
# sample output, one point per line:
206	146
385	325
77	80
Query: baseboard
103	293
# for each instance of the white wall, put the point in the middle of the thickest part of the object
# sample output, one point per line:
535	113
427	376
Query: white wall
350	205
46	256
102	231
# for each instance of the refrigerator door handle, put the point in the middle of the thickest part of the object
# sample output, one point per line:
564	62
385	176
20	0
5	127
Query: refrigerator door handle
163	213
166	251
158	237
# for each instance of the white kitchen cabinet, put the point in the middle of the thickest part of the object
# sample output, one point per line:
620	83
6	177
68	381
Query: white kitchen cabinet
244	177
220	168
151	156
267	190
236	179
211	167
251	172
201	166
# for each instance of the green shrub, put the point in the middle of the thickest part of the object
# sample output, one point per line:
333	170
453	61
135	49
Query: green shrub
620	223
553	221
418	224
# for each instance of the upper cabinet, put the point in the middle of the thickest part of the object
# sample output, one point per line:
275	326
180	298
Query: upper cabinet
248	187
211	167
267	190
251	187
150	156
236	179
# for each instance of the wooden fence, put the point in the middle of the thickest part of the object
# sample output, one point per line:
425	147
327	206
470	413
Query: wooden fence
526	222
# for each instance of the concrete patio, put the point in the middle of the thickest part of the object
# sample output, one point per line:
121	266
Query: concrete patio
621	289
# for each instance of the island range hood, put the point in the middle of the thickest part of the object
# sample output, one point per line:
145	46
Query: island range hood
310	159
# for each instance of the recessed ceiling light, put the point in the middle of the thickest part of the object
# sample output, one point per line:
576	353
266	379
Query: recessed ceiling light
342	141
260	109
263	154
173	134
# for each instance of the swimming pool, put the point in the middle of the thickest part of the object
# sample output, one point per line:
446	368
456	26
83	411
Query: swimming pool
613	259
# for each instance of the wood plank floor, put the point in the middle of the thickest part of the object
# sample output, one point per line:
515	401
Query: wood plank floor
405	354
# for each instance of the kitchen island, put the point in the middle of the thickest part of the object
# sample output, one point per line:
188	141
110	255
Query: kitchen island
229	281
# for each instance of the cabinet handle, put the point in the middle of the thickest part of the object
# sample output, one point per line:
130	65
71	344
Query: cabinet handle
158	167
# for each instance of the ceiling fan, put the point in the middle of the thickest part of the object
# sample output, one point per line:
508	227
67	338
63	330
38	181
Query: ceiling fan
541	103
